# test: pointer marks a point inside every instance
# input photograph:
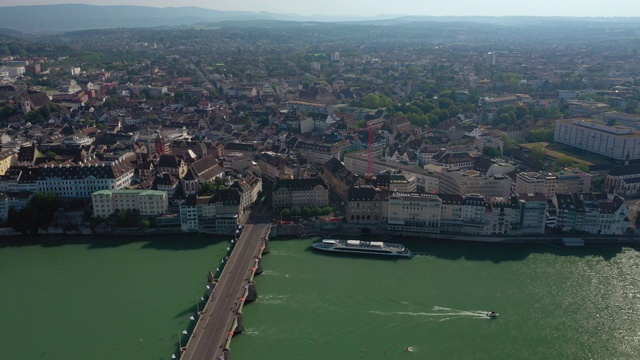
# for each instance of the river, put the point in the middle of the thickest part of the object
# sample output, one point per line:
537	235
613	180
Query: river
97	298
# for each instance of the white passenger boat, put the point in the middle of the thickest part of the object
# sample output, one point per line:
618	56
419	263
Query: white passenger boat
363	247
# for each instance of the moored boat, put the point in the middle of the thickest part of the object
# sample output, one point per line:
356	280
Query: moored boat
363	247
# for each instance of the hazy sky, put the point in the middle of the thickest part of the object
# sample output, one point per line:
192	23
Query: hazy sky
396	7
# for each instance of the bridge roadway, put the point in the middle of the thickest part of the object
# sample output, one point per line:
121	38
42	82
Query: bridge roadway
217	321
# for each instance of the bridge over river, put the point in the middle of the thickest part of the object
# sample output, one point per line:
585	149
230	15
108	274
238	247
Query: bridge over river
221	317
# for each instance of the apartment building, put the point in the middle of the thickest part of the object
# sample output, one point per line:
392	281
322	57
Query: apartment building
415	213
593	213
16	201
339	179
288	193
564	182
319	154
357	162
216	214
143	202
7	159
367	205
80	180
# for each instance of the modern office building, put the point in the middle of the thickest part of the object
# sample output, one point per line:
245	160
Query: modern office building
616	142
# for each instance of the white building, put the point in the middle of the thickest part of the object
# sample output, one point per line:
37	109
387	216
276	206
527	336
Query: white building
414	213
143	202
12	71
319	154
80	181
594	213
16	201
357	162
616	142
209	214
288	193
464	182
78	140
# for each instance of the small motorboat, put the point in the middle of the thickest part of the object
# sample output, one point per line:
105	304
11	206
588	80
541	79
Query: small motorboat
492	315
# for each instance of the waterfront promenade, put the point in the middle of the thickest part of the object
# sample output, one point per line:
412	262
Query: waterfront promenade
223	311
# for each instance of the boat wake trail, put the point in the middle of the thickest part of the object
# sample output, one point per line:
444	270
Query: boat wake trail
272	299
439	312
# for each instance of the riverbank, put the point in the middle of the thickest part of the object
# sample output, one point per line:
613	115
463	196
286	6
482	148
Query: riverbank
305	230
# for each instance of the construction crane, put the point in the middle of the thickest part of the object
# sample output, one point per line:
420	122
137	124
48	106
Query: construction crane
369	130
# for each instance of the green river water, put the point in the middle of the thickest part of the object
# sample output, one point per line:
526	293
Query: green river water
130	300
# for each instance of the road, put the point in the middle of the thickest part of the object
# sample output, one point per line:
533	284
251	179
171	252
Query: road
212	331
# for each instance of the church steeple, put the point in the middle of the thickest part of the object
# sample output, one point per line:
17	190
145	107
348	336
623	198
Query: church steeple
160	144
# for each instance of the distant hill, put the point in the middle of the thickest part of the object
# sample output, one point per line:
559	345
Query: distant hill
9	32
71	17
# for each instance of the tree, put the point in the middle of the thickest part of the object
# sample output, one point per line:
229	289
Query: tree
306	212
538	152
541	135
219	184
285	213
326	210
263	121
370	101
509	144
562	162
207	188
7	111
491	152
123	218
38	214
295	211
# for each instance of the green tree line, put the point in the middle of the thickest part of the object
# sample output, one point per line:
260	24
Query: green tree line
37	215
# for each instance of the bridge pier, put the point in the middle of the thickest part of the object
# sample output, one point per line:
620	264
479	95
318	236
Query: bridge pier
240	324
266	249
210	287
252	292
259	269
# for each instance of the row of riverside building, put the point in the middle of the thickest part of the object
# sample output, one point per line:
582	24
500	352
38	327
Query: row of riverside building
473	214
420	213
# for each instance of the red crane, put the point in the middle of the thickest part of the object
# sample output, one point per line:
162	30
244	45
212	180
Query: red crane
369	129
